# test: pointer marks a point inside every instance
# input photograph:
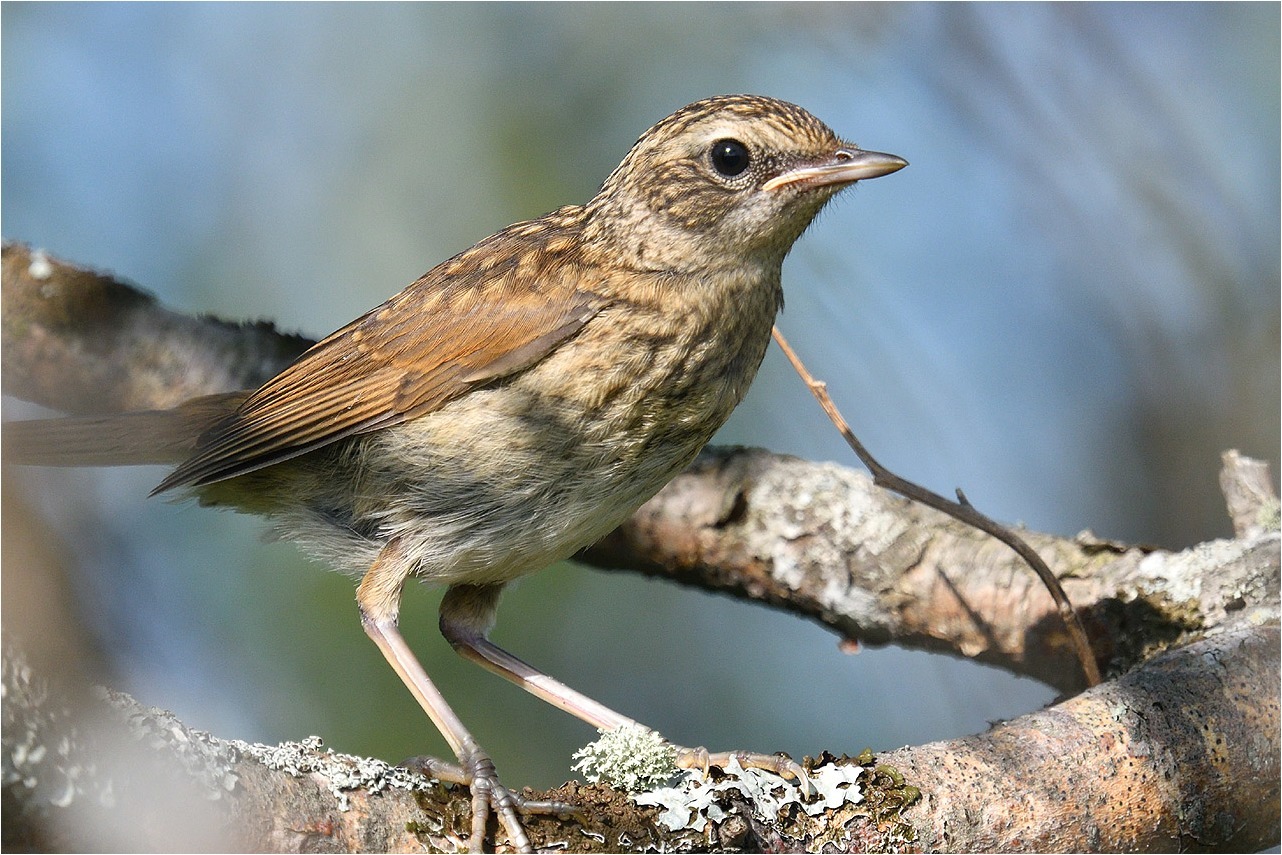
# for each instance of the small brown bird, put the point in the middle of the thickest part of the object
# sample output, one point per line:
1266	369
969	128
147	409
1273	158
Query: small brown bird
521	399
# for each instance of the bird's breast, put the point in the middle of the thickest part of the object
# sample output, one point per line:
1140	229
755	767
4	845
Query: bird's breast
660	369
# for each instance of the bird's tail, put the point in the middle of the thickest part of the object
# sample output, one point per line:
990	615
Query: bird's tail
119	439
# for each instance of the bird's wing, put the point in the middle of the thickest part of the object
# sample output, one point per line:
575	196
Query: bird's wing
491	311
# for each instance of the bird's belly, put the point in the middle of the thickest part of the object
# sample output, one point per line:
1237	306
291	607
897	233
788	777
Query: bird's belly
489	488
523	483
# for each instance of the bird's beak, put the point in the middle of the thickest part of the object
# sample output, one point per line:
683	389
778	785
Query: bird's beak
848	164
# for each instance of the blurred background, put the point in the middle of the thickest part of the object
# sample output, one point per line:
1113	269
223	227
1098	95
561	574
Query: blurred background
1068	305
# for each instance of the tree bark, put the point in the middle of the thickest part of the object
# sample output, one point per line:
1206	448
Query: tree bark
1178	749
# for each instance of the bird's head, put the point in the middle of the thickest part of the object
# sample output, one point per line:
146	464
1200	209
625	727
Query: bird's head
728	179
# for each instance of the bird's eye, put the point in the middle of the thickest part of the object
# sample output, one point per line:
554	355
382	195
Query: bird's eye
729	157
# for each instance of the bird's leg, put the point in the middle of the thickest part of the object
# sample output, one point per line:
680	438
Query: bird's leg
467	615
379	599
781	764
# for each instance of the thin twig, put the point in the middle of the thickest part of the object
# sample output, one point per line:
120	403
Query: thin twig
961	510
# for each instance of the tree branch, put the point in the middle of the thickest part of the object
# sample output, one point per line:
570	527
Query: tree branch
821	541
1181	749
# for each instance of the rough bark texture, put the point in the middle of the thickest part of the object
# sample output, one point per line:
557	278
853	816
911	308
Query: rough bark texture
1178	750
820	540
1157	760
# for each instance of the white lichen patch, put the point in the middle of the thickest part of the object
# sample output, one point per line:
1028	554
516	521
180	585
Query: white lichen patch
342	772
841	523
1269	516
47	758
39	266
1196	574
694	801
1163	572
212	761
204	758
631	758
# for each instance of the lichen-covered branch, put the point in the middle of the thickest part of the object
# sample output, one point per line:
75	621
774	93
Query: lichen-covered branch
1180	753
1180	748
822	541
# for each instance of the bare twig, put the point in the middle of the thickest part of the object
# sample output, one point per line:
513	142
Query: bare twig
961	510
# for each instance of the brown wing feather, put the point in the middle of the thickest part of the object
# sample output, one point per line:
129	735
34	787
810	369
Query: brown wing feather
491	311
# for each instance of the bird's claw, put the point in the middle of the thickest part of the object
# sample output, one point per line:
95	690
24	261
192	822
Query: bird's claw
477	773
780	764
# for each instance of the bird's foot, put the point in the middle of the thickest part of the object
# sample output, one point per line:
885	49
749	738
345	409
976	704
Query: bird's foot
780	764
475	771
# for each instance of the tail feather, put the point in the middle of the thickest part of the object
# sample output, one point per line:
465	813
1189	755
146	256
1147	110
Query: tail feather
120	439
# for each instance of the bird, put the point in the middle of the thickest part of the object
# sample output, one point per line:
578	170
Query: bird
518	401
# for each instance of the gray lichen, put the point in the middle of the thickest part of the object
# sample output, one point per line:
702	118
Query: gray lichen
631	758
46	761
693	802
205	759
54	757
342	772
